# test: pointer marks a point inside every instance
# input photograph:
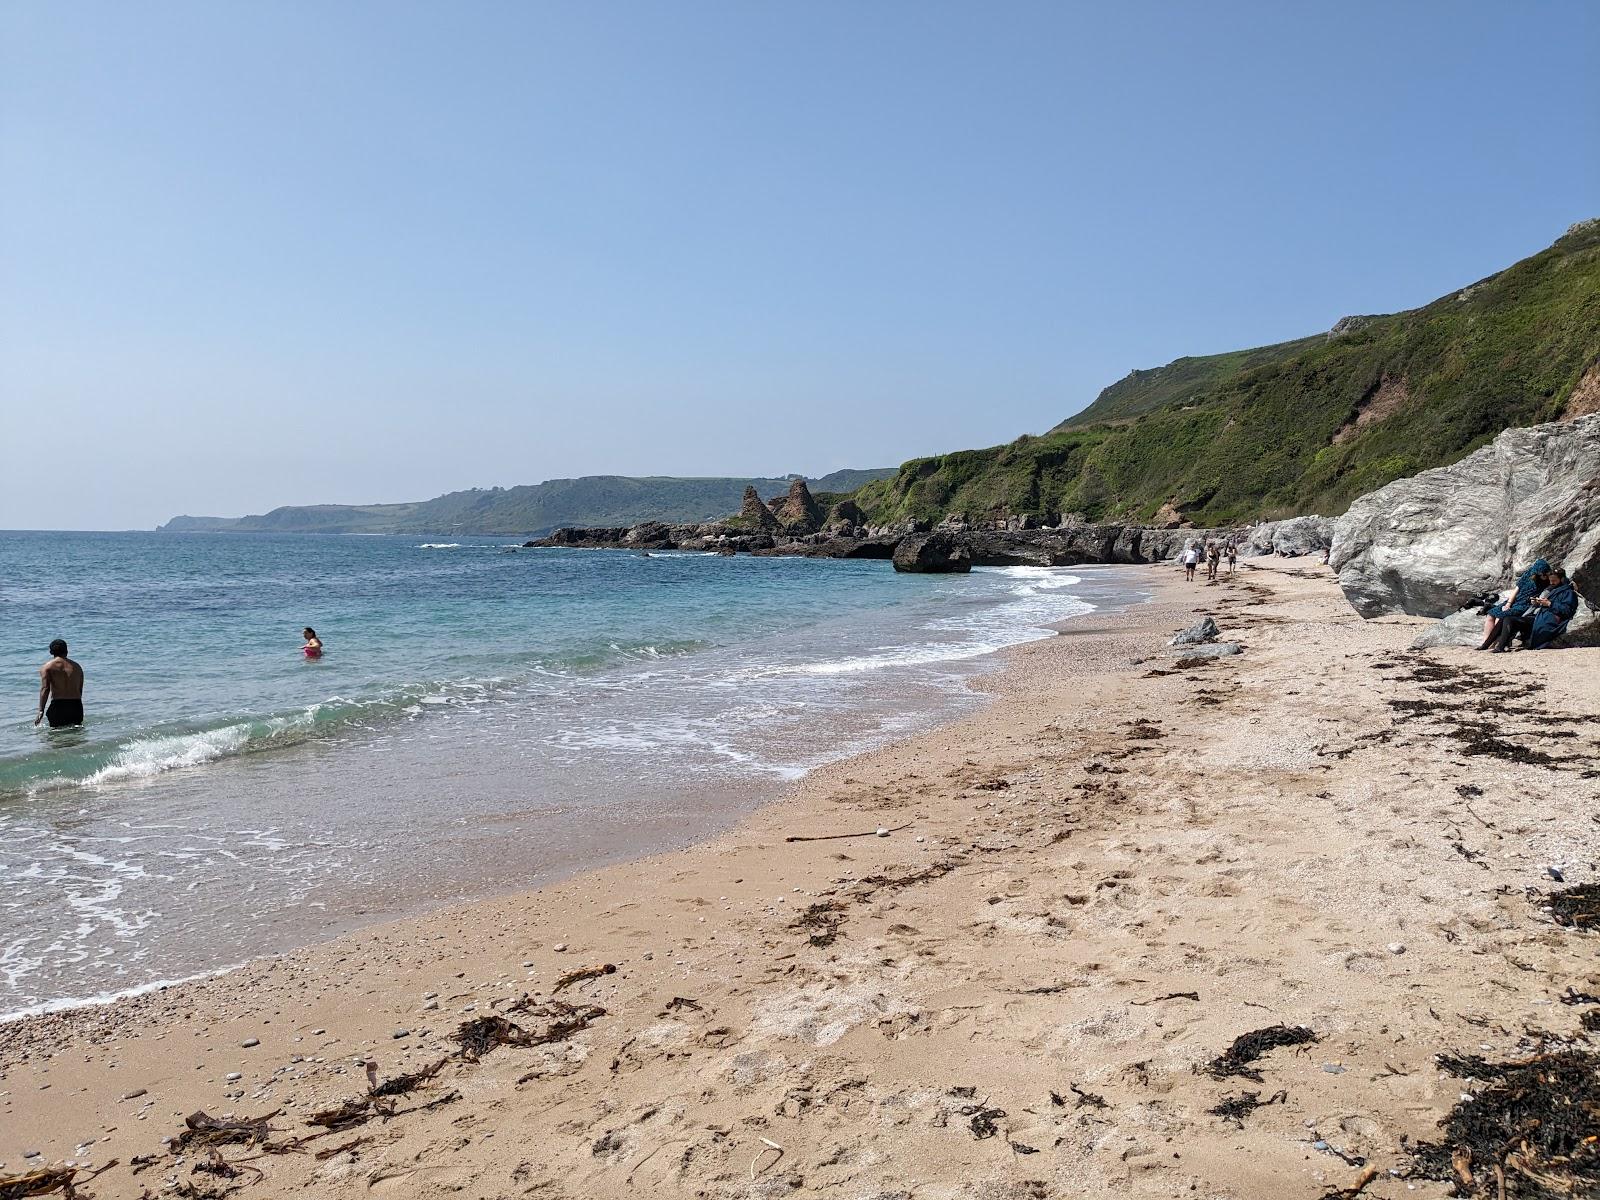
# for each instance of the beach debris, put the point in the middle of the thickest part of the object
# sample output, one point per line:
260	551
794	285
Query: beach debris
582	973
1248	1047
45	1180
880	831
1237	1108
357	1110
1084	1099
981	1118
335	1151
202	1129
1327	1147
1355	1189
893	883
478	1036
678	1002
1575	997
1576	907
1536	1127
214	1164
1168	996
401	1085
821	921
767	1147
1143	730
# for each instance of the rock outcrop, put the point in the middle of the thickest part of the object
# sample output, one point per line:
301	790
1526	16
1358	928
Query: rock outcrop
1294	537
798	512
1429	544
754	514
932	553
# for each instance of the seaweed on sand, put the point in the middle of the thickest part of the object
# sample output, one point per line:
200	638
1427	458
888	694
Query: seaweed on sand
202	1129
1577	907
482	1034
821	922
45	1180
402	1085
1248	1047
1533	1133
1237	1108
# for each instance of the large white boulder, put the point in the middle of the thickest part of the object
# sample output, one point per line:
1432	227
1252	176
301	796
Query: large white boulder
1429	544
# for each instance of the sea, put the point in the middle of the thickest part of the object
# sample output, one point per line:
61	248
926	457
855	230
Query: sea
486	718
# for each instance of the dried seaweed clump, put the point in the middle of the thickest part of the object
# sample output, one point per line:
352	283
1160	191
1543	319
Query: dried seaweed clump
202	1129
1577	907
821	922
1533	1133
1248	1047
1237	1108
482	1034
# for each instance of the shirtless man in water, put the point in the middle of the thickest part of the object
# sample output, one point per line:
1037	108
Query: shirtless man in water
60	689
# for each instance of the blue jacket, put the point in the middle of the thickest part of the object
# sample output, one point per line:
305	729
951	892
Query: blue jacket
1527	588
1549	622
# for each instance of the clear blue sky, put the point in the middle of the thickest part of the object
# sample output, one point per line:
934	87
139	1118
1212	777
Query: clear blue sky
257	254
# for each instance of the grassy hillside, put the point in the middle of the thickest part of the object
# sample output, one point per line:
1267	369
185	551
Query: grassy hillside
530	509
1303	427
1180	381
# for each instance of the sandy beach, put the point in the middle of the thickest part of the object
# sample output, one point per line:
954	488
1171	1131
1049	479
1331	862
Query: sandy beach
1089	890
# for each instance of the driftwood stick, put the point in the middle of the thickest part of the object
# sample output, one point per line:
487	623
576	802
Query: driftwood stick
829	837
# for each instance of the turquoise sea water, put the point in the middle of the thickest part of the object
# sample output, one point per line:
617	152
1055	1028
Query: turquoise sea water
485	717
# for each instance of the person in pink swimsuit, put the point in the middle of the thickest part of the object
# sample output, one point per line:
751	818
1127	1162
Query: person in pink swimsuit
313	646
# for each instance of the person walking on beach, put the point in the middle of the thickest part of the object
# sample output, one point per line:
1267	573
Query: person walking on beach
1191	558
60	689
1213	560
1233	556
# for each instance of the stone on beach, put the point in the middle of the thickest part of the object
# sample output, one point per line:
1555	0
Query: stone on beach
1205	631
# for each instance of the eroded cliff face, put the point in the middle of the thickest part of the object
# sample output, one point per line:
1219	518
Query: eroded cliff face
1429	544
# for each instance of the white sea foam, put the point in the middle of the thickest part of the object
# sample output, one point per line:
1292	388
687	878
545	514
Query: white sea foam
440	546
151	756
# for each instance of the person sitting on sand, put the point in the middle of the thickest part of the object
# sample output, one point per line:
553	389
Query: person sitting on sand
1553	610
60	689
313	646
1546	616
1529	584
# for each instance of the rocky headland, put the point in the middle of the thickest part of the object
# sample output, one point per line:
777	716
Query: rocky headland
795	524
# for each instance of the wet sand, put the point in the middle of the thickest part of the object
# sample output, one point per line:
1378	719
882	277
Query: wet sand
1092	887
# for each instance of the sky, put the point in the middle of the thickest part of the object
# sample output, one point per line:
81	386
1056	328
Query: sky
285	253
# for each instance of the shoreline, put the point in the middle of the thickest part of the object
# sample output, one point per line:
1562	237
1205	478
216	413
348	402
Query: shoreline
493	820
1110	829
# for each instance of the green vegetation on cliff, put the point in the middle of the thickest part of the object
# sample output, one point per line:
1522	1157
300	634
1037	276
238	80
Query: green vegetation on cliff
529	510
1181	380
1305	426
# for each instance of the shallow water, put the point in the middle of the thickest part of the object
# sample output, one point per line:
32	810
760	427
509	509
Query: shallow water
485	719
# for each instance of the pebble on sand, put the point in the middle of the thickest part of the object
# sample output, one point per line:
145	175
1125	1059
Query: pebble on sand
133	1095
249	1042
